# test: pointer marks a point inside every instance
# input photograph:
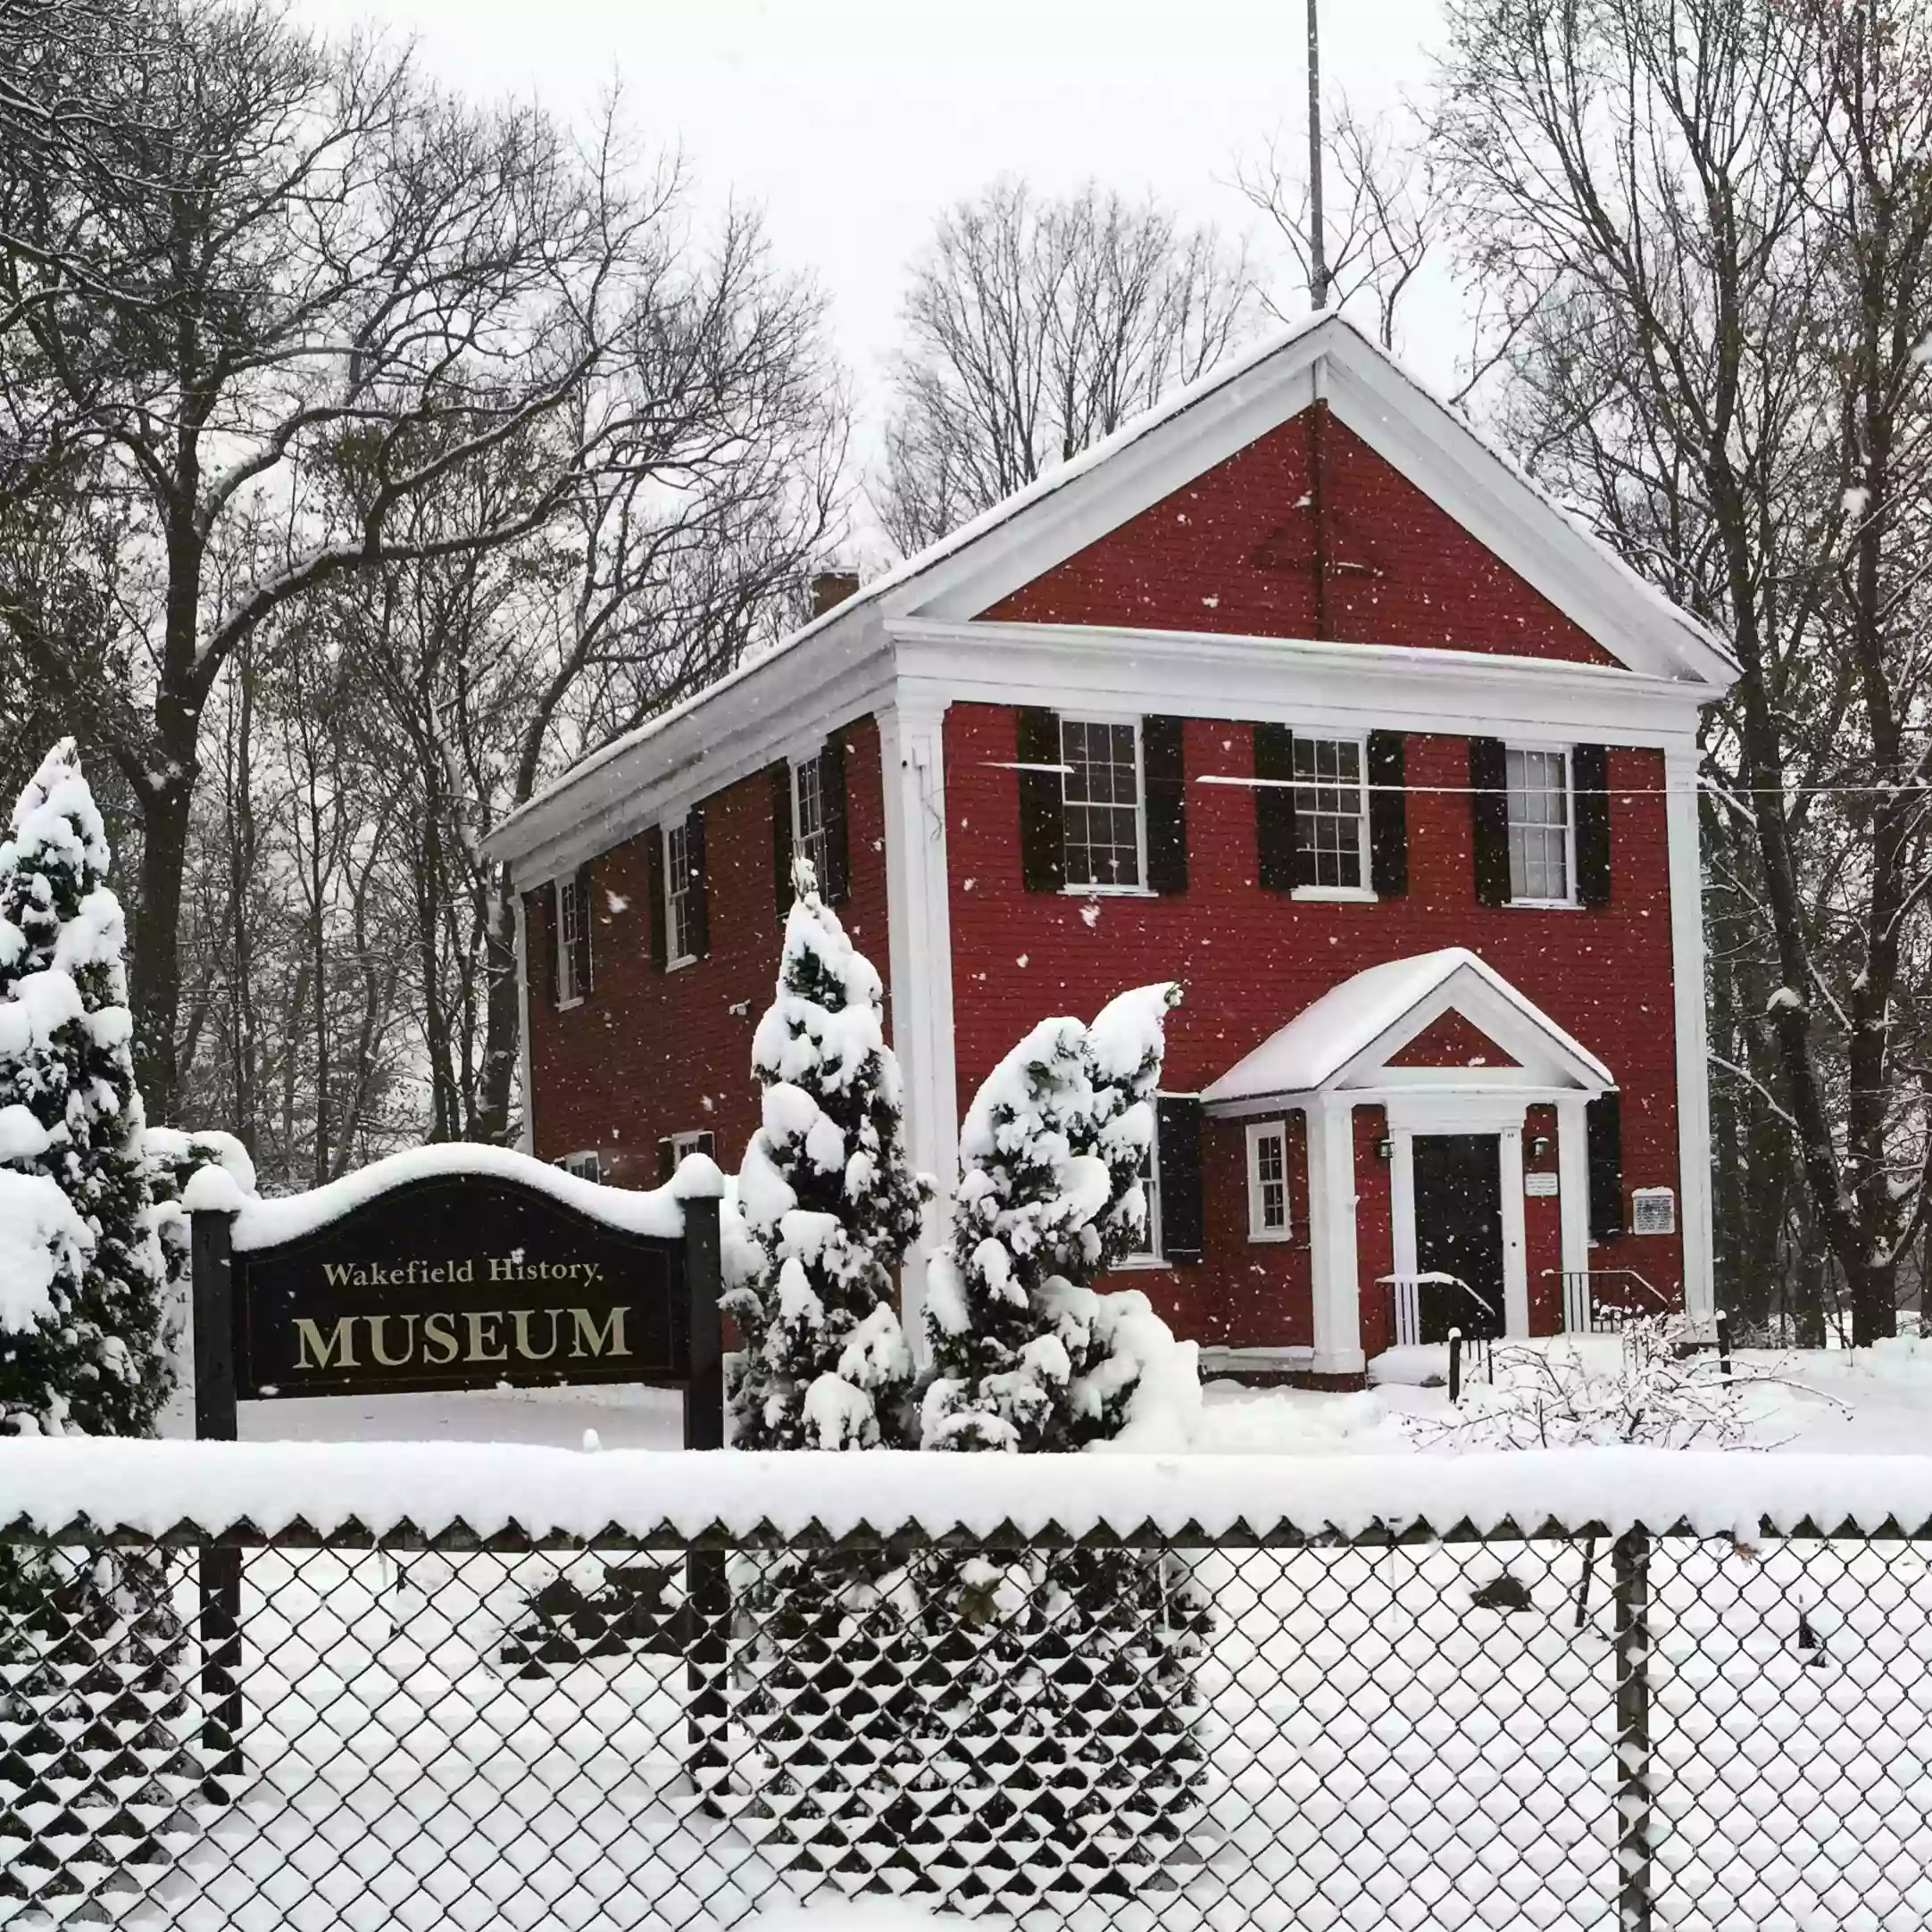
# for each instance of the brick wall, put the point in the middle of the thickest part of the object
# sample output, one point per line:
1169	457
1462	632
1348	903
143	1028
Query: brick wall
1252	960
651	1053
1232	552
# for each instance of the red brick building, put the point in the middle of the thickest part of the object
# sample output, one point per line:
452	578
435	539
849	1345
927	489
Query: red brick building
1294	690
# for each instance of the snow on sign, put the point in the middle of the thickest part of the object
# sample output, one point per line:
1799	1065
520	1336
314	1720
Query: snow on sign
454	1270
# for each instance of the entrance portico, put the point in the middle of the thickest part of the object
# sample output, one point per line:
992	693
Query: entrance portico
1446	1047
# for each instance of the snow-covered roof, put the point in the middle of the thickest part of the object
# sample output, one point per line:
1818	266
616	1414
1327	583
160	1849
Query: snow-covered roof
1376	1013
1389	391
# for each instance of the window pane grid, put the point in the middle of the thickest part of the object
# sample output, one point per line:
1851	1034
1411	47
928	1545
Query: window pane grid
1539	824
810	823
678	890
569	939
1270	1184
1150	1188
1328	811
1101	803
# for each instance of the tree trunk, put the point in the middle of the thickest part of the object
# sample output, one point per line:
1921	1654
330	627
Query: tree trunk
154	952
502	1019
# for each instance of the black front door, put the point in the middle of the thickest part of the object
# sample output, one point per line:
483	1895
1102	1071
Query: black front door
1458	1232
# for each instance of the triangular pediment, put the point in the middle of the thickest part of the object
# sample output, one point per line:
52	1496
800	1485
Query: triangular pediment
1251	547
1408	472
1398	1026
1452	1039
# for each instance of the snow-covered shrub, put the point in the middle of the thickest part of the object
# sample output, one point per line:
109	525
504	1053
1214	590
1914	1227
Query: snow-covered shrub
70	1111
1089	1653
1647	1385
829	1205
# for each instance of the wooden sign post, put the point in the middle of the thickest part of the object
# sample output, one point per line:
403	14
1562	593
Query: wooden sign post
465	1279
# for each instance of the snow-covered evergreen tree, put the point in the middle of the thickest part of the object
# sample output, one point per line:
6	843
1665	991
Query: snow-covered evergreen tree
1089	1651
831	1204
1026	1355
67	1087
1023	1217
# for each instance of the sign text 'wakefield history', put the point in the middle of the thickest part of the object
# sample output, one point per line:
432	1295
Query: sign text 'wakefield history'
459	1281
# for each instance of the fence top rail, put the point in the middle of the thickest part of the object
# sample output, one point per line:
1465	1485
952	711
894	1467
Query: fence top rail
479	1494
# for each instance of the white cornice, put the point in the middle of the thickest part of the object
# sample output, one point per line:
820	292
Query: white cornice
1211	675
843	673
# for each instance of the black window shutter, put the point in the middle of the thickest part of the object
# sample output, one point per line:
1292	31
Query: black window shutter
543	931
583	932
1177	1149
1489	820
1164	775
1388	815
833	886
1604	1137
1589	787
1274	806
782	836
660	942
667	1160
1043	858
697	904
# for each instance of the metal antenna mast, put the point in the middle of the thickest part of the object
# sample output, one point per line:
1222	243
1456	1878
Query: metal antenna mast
1318	252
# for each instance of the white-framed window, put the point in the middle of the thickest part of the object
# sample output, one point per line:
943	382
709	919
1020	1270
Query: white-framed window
1331	815
1267	1181
1149	1254
1104	831
808	815
700	1142
1542	859
573	940
680	937
587	1166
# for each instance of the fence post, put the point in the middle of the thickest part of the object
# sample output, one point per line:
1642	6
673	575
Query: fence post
1724	1345
707	1599
1630	1594
1455	1367
211	1252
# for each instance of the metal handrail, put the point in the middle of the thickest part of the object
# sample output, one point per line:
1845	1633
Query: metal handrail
1407	1303
1581	1314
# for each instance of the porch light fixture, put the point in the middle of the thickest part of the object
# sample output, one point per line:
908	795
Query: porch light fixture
1384	1149
1539	1147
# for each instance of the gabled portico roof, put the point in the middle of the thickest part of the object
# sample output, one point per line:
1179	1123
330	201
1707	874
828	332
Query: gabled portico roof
1346	1039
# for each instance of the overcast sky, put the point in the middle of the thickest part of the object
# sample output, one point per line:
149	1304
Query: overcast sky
854	122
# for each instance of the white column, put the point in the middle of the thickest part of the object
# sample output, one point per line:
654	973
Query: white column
1573	1189
527	1132
1402	1197
1331	1237
1692	1048
913	767
1515	1239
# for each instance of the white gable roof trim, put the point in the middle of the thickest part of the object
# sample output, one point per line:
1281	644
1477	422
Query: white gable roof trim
1149	459
1346	1038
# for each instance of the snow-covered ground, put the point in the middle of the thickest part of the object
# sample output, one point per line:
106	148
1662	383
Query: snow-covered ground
1852	1402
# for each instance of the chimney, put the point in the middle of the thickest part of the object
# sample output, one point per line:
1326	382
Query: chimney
830	588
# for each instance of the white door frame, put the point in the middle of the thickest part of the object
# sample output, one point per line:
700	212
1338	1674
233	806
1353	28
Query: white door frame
1500	1114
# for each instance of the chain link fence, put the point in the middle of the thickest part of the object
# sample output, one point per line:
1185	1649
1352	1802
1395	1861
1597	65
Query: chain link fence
1560	1730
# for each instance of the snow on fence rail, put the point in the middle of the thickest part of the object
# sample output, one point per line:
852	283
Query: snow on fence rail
493	1687
152	1488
